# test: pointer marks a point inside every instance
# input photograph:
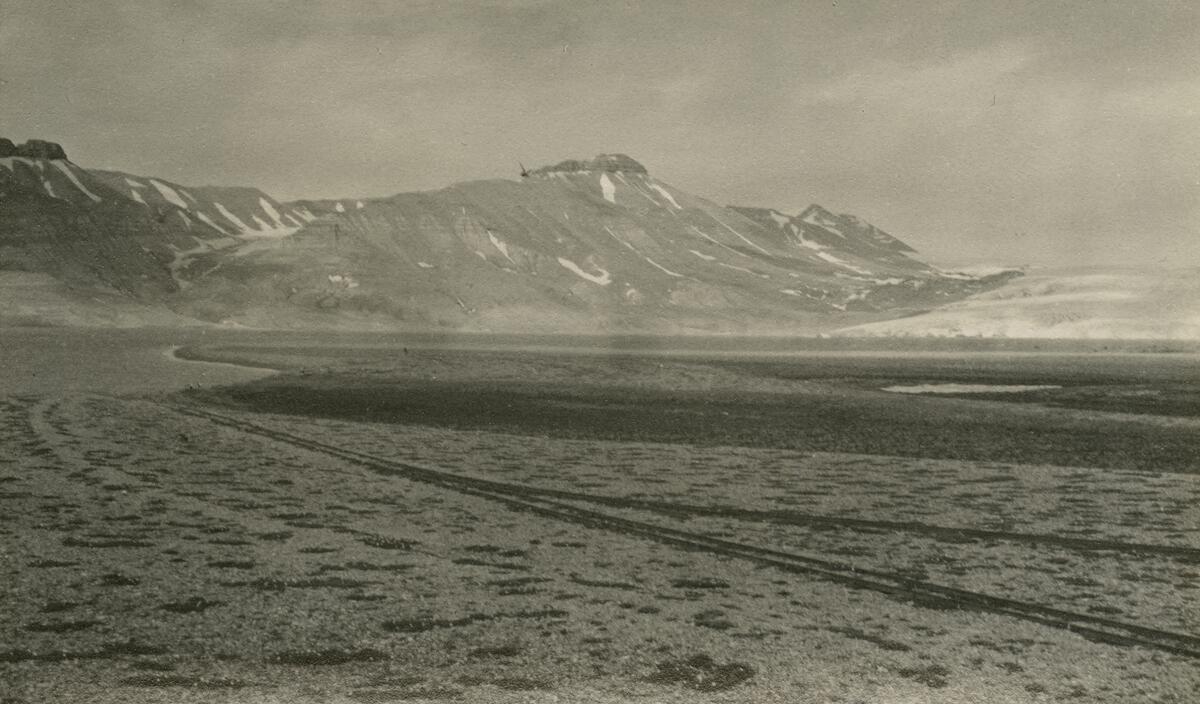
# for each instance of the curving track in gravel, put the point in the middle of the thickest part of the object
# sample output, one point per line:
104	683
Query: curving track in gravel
551	504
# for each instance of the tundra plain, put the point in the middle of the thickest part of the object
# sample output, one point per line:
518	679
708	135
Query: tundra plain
495	519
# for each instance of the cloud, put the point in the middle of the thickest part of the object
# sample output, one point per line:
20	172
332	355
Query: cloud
882	110
933	85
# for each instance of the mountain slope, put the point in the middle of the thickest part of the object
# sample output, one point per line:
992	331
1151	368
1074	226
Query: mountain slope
56	218
597	244
584	245
117	231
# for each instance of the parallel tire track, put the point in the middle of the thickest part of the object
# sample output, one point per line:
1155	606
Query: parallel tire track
894	585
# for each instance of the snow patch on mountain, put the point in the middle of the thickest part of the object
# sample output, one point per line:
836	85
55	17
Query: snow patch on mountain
842	263
973	271
817	217
271	212
266	231
740	235
207	221
639	190
169	194
809	244
63	167
8	161
604	278
635	250
232	218
500	245
662	268
137	196
700	232
666	195
610	191
744	270
705	257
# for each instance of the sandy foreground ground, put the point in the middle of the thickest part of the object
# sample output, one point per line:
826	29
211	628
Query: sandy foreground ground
151	556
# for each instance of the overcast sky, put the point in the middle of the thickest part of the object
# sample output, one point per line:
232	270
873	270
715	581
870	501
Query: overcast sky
1012	132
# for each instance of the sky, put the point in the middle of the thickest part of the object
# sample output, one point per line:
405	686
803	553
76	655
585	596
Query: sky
1052	133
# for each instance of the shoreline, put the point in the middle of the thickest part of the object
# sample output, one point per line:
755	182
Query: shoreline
178	353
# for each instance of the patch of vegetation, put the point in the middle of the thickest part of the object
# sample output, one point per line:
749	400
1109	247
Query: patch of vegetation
521	684
933	676
851	423
380	696
420	625
278	584
183	681
108	651
53	563
73	542
329	656
114	579
132	647
386	543
499	651
714	619
601	583
517	581
512	566
700	583
61	626
153	665
702	673
233	564
190	605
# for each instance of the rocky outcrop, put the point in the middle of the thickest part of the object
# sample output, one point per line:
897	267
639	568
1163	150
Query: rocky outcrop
33	149
604	162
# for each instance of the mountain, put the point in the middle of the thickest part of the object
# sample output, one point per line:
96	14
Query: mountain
583	245
112	230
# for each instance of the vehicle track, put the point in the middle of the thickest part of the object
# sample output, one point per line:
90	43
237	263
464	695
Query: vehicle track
897	586
949	533
800	518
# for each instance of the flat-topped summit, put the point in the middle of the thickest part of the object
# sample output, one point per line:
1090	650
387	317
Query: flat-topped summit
33	149
603	162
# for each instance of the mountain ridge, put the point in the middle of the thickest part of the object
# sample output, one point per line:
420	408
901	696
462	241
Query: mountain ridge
593	243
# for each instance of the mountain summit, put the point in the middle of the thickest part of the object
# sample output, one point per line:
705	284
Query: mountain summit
33	149
612	163
582	246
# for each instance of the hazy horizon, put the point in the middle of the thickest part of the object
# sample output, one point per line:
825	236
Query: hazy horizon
1052	134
